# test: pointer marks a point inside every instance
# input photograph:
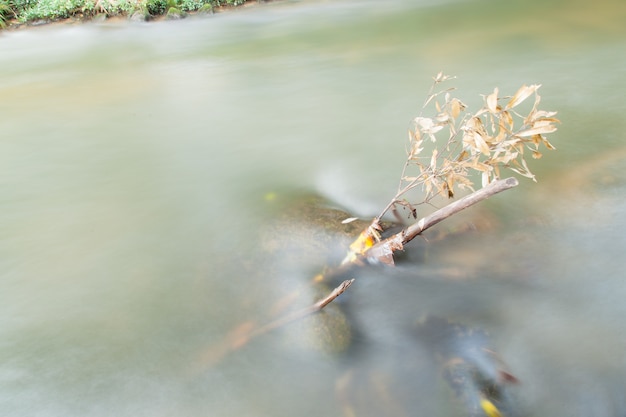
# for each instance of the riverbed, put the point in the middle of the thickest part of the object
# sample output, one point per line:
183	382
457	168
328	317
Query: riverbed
139	162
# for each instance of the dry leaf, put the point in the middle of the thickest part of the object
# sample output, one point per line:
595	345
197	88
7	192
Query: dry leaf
484	141
522	94
492	101
540	130
456	107
481	144
433	159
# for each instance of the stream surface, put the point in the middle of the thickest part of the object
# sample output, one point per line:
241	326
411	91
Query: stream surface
138	163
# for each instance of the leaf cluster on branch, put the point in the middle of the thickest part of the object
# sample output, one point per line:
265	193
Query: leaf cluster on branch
448	150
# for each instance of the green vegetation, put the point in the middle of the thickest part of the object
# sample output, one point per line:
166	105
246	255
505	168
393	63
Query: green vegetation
25	11
5	12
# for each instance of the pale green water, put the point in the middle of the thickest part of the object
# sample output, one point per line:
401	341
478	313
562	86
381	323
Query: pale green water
133	164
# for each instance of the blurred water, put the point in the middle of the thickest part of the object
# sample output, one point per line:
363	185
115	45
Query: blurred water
135	161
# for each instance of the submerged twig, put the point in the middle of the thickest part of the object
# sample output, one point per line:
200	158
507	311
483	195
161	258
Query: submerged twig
246	332
296	315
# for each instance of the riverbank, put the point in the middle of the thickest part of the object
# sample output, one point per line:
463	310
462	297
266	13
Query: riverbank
20	14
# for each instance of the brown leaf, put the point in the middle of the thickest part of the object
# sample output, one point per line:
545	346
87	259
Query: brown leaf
547	144
449	184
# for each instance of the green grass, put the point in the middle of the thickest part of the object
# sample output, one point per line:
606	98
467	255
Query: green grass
6	11
51	10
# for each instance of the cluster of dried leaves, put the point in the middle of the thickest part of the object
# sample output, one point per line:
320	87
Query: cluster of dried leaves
494	137
448	151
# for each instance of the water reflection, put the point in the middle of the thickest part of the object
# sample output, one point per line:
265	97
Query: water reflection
134	183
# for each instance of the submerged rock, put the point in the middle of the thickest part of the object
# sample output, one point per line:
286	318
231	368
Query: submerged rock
308	232
304	236
327	331
470	366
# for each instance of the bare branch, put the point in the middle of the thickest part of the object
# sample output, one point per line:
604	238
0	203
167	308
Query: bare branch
383	250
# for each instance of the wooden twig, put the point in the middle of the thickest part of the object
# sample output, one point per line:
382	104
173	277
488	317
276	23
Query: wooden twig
383	250
296	315
241	335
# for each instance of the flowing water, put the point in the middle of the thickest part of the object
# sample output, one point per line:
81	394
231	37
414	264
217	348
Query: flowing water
139	161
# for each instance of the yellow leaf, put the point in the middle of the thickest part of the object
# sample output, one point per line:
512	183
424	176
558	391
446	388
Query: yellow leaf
366	240
489	408
522	94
